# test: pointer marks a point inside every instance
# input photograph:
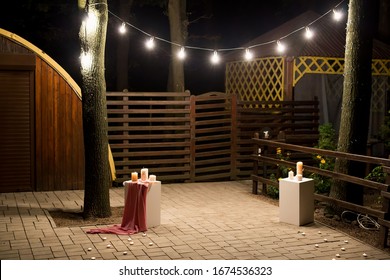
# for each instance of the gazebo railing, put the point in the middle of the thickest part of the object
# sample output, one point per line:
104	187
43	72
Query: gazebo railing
265	160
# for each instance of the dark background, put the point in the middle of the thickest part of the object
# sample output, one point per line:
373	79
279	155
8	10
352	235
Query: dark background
53	27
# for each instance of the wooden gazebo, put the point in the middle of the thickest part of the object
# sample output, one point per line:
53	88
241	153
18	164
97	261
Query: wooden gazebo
307	68
41	143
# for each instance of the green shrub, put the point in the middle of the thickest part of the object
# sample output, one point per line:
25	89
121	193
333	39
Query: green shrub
326	141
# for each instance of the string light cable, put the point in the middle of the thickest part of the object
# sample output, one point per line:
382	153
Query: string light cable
281	47
364	221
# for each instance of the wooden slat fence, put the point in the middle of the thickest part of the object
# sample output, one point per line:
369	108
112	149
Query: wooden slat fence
184	138
211	149
150	130
293	121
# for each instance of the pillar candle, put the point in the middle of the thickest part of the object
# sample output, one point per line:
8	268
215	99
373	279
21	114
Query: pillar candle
291	175
134	176
152	178
299	167
144	174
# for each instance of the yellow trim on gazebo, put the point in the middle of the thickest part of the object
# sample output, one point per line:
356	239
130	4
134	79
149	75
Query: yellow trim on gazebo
332	65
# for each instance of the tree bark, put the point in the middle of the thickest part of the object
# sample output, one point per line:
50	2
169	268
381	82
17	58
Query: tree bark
178	28
356	101
97	177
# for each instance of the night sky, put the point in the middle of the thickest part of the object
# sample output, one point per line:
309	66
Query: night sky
218	24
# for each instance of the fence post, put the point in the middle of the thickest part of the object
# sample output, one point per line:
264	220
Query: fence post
233	137
192	137
255	183
384	230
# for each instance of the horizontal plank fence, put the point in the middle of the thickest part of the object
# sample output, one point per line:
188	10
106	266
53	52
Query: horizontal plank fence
186	138
293	121
265	160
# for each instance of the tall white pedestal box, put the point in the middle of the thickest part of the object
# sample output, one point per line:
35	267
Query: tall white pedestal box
153	205
296	201
153	202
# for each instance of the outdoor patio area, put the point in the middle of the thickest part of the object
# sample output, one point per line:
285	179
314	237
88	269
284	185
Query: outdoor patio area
200	221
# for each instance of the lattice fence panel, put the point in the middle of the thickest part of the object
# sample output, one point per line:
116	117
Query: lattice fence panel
380	85
258	80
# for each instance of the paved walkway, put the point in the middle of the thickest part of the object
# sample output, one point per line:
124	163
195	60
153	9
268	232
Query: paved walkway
201	221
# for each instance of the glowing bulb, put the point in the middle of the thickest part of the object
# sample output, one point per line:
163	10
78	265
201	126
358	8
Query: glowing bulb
122	29
281	48
91	22
86	60
181	54
215	58
337	15
248	54
309	34
150	43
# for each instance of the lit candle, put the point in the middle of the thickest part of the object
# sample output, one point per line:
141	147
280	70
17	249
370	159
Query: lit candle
299	167
134	176
152	178
144	174
291	175
299	177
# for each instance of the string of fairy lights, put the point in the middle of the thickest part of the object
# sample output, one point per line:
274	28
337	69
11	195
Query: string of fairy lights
248	51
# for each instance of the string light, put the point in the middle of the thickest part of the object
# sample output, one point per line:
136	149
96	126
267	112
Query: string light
215	58
337	15
308	34
91	23
86	60
150	43
248	54
122	28
280	47
181	53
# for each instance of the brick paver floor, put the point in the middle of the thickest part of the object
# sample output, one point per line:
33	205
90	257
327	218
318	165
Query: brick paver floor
200	221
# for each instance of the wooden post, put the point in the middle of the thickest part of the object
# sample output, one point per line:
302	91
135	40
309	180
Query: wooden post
233	137
255	183
192	137
384	230
265	152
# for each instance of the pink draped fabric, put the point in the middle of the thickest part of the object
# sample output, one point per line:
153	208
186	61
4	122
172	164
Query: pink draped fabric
134	213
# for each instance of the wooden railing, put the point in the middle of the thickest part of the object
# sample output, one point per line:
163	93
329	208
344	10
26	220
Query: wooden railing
265	161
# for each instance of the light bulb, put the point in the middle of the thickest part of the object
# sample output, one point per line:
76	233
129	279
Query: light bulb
248	54
91	23
337	15
122	28
280	47
215	57
86	60
150	43
309	34
181	54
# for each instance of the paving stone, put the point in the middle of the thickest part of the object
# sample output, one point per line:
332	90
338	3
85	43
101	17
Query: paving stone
199	221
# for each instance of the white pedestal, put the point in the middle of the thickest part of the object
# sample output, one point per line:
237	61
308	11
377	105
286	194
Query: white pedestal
153	203
296	201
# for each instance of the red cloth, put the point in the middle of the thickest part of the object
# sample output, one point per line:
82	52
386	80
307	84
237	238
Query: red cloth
134	213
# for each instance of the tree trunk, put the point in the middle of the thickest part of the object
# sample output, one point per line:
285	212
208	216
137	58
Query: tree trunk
97	177
356	101
122	50
178	28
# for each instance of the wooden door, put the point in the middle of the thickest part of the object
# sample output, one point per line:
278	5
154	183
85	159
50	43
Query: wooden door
16	131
